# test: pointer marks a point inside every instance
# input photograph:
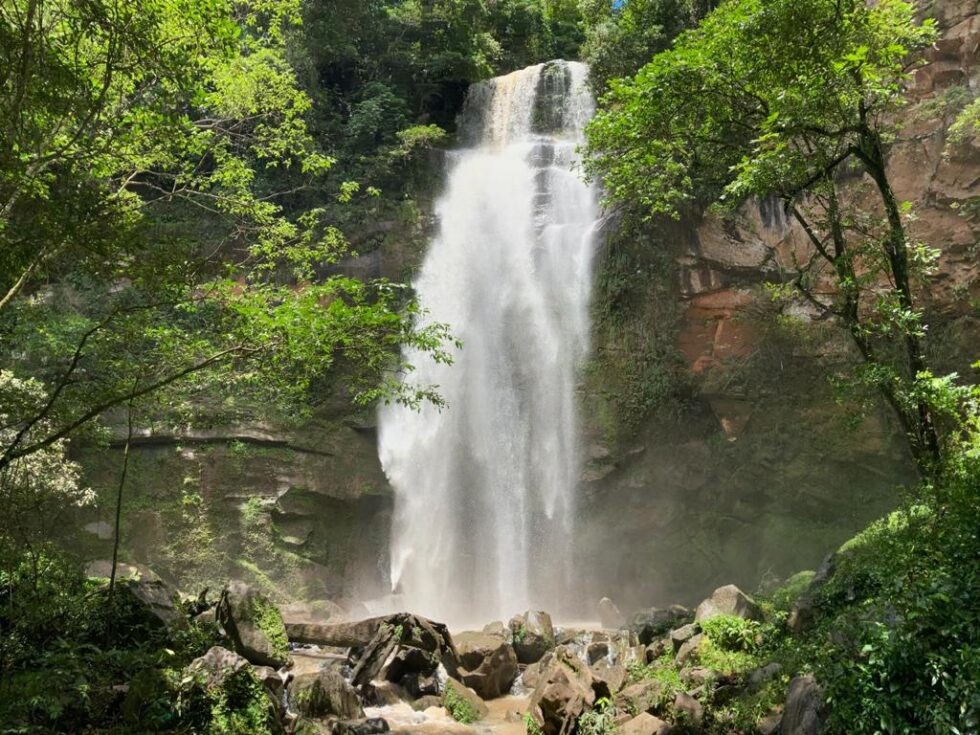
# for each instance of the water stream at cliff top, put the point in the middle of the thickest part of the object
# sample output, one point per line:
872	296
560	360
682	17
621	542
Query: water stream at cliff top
485	488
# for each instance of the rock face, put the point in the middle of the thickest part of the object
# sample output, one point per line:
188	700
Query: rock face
315	495
253	624
805	712
487	663
533	635
322	694
728	600
753	469
729	481
408	651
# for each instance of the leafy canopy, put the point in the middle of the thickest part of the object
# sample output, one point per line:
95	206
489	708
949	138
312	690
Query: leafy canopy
761	97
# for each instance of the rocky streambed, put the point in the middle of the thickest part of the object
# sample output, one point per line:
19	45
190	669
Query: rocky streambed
659	671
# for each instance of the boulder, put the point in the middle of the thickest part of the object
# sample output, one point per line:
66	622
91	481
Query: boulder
429	700
322	694
655	650
564	692
155	600
596	652
644	696
463	703
406	650
253	624
334	726
682	635
803	612
271	680
533	635
332	635
222	675
653	623
487	663
644	724
805	712
769	724
687	709
688	649
759	677
499	629
609	614
728	600
613	675
216	666
531	676
697	676
369	726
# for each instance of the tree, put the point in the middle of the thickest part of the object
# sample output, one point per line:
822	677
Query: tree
151	159
794	98
622	37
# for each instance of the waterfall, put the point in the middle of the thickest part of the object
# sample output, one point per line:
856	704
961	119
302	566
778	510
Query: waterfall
485	488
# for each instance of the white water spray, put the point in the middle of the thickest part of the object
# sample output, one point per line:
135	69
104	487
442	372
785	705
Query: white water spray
485	489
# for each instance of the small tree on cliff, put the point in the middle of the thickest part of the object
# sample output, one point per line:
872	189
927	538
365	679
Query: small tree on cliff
792	97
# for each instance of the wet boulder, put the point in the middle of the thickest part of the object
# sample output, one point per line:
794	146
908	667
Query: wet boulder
322	694
487	663
253	624
533	635
407	650
728	600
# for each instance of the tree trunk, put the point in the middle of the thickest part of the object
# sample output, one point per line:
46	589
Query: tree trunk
925	438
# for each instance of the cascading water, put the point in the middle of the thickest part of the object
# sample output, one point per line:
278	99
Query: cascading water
485	488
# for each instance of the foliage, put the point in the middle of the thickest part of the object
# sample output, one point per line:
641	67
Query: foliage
662	670
38	489
531	726
205	278
745	108
732	632
459	708
63	647
598	721
622	37
268	619
967	124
